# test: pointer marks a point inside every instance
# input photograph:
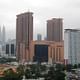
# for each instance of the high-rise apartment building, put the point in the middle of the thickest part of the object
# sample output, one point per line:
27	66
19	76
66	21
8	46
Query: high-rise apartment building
24	35
55	29
72	46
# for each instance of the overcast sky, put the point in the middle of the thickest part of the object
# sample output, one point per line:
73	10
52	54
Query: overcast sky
43	10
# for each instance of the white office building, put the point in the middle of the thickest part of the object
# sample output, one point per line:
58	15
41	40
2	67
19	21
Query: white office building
72	46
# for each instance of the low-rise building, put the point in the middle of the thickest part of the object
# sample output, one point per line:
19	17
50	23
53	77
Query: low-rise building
47	51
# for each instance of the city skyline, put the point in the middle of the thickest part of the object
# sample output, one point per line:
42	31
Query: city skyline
43	10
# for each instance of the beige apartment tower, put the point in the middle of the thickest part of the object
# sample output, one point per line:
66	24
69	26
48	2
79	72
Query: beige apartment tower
24	35
55	30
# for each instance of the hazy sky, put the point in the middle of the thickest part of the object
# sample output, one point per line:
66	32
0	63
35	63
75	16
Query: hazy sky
43	10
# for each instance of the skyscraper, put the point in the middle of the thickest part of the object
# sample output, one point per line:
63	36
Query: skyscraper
39	37
3	35
24	35
0	35
55	30
72	46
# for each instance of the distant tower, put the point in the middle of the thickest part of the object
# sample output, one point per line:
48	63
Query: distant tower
39	37
3	35
0	35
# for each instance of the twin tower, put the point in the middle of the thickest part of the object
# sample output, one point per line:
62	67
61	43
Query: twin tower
24	34
2	36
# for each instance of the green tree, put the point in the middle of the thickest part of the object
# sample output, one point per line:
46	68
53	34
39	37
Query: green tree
60	67
59	75
2	78
20	71
75	66
10	75
34	71
43	68
69	67
28	74
51	74
79	65
55	73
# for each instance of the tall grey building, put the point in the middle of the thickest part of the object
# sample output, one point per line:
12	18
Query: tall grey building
72	46
0	35
3	35
55	29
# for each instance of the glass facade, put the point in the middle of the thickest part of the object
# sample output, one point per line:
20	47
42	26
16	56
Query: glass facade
41	53
12	48
72	46
7	49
